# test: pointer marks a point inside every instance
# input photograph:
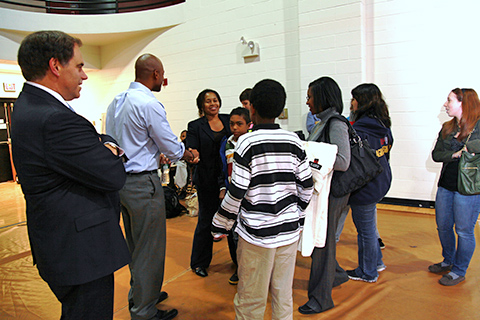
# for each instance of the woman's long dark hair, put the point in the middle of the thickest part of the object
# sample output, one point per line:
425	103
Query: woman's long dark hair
470	114
371	103
326	94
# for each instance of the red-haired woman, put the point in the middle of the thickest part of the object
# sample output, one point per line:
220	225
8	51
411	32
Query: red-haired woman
453	209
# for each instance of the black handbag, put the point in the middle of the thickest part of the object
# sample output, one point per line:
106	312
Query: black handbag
364	164
469	173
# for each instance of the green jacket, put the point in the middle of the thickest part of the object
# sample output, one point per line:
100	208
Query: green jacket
443	149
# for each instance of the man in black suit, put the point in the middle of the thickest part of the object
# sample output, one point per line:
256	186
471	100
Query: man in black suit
70	176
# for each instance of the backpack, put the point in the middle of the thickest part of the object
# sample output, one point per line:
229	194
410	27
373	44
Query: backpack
173	207
364	164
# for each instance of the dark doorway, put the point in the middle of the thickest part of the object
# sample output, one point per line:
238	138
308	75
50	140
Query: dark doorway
7	171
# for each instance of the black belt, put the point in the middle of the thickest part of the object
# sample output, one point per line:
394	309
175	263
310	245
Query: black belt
143	172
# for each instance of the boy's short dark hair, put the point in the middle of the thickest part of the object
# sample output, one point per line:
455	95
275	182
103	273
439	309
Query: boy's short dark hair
268	98
245	95
241	111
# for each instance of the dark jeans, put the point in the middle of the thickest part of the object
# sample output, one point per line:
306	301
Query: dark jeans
369	253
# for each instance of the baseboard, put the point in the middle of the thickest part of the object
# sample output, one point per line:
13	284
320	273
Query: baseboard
409	202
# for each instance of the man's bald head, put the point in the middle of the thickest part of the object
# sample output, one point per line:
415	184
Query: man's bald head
149	71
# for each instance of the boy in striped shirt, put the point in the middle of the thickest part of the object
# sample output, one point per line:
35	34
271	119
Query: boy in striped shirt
270	188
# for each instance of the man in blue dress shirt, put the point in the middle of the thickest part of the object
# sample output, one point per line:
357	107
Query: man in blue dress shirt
137	120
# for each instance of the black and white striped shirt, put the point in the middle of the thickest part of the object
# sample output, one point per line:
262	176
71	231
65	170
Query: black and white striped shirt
271	187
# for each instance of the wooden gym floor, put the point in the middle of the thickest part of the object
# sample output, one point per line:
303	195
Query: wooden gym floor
405	290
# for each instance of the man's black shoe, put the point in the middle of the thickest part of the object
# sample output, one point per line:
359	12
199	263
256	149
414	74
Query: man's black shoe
200	271
308	310
163	296
166	314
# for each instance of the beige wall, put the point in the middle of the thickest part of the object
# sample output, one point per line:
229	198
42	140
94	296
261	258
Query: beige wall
415	51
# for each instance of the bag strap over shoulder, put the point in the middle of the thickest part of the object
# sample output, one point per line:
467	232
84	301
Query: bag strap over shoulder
473	130
326	129
469	136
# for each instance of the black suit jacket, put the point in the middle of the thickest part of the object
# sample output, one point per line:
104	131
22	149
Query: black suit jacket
70	181
200	137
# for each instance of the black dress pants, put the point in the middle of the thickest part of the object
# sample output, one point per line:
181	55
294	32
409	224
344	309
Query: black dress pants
91	300
325	267
232	245
208	204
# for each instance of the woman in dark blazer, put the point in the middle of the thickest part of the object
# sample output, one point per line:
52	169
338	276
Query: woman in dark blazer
205	135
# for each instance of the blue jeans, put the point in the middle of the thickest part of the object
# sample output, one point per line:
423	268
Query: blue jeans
341	223
454	209
369	253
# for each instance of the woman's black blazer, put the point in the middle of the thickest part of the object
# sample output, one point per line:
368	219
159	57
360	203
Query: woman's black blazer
201	138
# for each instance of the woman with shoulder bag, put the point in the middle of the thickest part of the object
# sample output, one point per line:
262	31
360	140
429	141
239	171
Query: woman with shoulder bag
453	209
324	99
372	123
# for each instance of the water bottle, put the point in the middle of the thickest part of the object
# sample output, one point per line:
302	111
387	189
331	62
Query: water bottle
165	175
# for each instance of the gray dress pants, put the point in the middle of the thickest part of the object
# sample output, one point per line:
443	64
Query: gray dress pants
143	212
